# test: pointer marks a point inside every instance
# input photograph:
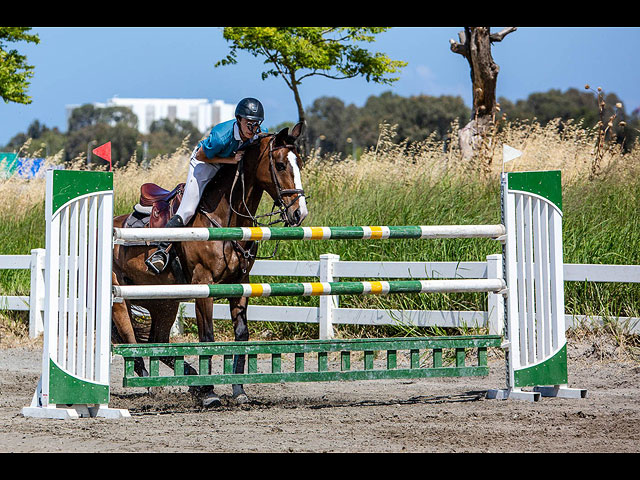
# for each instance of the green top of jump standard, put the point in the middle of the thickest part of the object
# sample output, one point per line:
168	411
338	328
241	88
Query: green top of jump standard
70	184
545	184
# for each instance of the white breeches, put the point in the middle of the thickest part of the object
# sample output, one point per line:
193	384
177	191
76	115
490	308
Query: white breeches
200	174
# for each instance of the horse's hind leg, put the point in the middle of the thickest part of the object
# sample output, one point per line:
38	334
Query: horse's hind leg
163	315
204	319
238	307
123	331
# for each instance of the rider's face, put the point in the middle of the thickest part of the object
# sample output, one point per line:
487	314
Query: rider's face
248	128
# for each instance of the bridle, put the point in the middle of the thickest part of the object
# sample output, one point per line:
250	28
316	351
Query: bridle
279	206
298	192
278	203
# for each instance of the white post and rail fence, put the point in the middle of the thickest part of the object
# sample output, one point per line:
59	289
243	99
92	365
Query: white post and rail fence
329	268
525	286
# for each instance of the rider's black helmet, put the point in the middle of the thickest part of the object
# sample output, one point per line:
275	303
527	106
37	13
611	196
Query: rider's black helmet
251	109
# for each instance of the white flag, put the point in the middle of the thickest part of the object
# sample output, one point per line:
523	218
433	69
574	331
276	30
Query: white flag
509	153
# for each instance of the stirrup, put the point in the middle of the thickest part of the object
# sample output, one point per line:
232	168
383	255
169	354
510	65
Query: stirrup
160	256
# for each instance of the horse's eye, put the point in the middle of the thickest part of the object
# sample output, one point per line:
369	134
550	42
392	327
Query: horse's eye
281	166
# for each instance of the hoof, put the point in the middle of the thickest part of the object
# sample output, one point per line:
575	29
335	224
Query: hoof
211	400
153	391
238	395
241	399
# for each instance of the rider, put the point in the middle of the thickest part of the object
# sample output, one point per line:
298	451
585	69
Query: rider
208	156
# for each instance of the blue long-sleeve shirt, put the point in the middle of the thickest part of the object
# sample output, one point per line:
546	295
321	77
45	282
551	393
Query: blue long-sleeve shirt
223	141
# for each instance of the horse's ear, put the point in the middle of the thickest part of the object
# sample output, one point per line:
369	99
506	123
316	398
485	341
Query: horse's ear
284	136
281	136
297	130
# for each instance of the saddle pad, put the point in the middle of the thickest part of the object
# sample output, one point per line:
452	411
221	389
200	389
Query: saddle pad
143	210
137	220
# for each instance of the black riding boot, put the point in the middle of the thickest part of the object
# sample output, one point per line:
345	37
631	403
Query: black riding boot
157	262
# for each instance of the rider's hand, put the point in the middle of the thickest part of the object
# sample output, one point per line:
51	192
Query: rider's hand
238	156
200	155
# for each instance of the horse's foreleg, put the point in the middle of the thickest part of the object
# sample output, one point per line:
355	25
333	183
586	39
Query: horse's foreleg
204	319
238	307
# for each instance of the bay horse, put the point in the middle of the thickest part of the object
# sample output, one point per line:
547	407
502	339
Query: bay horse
270	164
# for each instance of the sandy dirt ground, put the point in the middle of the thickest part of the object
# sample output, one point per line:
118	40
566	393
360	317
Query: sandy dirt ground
427	415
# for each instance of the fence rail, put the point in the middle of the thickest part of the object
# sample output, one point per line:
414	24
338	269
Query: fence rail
330	268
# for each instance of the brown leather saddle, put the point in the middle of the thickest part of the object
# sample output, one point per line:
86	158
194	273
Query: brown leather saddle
156	204
154	209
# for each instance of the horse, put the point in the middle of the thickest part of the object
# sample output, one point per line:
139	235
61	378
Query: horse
272	164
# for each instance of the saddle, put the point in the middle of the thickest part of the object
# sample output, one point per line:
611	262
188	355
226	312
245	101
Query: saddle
156	206
154	209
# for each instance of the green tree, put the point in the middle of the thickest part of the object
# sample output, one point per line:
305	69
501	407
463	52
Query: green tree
338	128
417	117
330	124
44	141
89	115
123	138
576	105
546	106
14	70
167	135
296	53
90	126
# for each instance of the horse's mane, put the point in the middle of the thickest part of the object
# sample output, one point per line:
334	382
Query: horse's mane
220	186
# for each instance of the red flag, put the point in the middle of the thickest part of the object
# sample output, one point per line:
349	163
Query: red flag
104	151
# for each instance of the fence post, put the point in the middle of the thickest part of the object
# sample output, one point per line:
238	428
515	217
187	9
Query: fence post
328	302
495	301
36	296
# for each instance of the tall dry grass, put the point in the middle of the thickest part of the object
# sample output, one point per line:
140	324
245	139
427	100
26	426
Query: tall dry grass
567	146
396	183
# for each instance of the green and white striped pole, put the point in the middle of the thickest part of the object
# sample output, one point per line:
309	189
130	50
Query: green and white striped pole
123	235
137	292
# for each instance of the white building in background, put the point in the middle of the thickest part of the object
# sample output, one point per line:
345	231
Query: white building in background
199	111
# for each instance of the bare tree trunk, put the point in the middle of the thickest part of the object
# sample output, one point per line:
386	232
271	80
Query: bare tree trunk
475	46
296	95
303	143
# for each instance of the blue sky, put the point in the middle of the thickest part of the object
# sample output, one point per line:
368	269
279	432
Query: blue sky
76	65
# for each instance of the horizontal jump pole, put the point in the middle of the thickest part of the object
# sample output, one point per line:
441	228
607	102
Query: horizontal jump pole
186	234
132	292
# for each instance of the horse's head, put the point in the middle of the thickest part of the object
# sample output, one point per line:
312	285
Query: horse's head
279	174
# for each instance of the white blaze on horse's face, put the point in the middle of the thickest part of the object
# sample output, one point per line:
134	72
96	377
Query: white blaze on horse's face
297	180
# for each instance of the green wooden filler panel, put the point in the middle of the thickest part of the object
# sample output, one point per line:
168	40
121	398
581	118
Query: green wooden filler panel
356	360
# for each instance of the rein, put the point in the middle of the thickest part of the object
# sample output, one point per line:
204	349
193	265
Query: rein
278	203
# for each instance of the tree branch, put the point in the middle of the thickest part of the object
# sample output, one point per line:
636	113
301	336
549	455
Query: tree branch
497	37
461	48
274	60
327	75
